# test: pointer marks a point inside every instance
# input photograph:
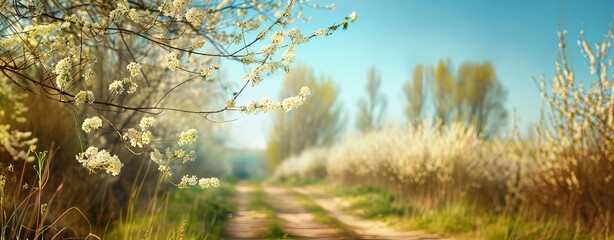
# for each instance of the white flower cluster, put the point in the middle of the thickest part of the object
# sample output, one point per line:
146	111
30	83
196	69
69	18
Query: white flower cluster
165	170
62	69
84	97
177	7
296	37
93	159
422	158
139	16
88	75
190	181
198	44
134	68
183	156
205	72
116	14
187	137
288	54
195	16
320	32
172	61
266	105
353	16
277	38
118	86
91	123
164	160
277	42
14	141
138	138
146	122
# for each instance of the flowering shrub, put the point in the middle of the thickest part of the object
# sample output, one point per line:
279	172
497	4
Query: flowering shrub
432	163
311	164
576	157
65	51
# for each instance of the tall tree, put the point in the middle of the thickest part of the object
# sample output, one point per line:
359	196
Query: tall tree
316	123
372	108
472	96
484	98
443	91
415	95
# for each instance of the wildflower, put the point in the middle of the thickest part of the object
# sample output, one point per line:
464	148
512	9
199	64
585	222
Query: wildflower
187	137
91	123
83	97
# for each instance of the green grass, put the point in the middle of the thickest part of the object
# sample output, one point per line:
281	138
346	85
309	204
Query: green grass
259	203
321	214
455	218
180	214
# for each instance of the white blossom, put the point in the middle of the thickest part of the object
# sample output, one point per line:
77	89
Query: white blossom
195	16
156	156
187	181
146	122
187	137
93	159
62	69
320	32
116	87
278	38
205	72
91	123
137	138
353	17
172	61
134	68
83	97
209	183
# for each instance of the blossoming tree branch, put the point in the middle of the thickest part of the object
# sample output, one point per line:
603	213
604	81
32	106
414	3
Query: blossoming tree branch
50	49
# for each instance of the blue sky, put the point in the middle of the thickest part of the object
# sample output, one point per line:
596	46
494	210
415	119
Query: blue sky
519	38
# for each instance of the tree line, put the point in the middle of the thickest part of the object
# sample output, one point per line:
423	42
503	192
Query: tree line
472	95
